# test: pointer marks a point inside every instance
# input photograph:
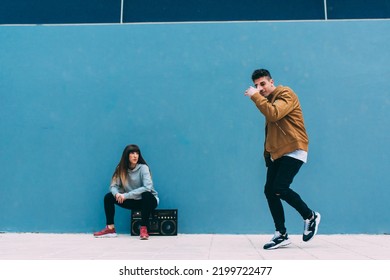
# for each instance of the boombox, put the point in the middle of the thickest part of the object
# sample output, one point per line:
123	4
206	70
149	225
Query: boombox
161	222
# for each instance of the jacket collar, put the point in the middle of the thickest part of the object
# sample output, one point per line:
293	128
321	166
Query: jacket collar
271	98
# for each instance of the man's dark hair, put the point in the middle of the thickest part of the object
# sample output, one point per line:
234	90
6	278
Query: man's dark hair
260	73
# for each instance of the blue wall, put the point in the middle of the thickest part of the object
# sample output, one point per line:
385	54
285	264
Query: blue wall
71	98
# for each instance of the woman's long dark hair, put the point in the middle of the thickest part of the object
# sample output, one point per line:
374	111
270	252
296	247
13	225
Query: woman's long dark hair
124	163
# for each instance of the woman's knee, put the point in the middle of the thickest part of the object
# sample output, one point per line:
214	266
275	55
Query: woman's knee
149	198
147	195
109	197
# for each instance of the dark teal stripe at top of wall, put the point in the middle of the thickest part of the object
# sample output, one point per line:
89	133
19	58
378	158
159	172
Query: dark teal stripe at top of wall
358	9
128	11
227	10
59	12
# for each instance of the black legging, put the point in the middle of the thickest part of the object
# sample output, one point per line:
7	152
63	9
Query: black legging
146	205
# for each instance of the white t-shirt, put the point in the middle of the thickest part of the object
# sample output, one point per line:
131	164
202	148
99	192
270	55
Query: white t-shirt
298	154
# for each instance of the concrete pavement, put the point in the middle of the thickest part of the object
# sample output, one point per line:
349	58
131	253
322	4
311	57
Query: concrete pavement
43	246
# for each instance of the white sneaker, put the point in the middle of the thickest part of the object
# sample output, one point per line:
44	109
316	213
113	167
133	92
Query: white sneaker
310	227
279	240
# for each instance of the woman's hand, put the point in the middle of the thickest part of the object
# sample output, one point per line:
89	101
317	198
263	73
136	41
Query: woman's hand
120	198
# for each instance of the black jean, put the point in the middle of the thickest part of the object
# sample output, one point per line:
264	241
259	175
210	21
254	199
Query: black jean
280	175
146	205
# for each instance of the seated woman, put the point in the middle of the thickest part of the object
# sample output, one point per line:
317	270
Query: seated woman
131	188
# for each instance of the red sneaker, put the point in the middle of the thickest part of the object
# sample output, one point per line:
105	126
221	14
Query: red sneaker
143	233
106	232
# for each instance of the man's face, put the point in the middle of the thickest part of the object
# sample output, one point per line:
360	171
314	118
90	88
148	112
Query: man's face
265	85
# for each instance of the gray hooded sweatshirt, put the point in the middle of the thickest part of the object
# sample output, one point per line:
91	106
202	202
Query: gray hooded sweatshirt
139	180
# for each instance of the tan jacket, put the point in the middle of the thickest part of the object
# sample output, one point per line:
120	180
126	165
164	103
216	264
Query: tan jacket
285	128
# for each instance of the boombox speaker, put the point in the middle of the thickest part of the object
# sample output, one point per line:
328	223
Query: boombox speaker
161	222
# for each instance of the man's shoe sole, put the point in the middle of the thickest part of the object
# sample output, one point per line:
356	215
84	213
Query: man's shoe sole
281	244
